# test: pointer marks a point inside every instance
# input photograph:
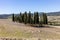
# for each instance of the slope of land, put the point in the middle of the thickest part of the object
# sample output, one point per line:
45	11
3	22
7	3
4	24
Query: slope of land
19	30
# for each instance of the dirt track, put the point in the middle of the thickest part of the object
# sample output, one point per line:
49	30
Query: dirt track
33	32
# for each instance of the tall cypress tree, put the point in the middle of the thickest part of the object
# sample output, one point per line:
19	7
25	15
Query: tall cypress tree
36	18
13	17
25	17
45	21
29	18
20	17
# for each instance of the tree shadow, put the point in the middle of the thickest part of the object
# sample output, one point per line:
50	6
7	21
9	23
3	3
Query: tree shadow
42	26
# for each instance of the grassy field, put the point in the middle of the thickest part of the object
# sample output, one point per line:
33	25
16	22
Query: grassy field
54	19
19	30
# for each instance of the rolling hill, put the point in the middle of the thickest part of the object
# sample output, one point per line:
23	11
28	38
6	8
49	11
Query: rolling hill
5	16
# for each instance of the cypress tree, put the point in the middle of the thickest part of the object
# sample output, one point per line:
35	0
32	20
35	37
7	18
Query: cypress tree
29	18
13	17
36	18
20	17
25	17
45	21
40	22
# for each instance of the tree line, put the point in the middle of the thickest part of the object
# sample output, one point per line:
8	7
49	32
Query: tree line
30	18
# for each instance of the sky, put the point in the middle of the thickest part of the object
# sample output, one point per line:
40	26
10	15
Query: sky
17	6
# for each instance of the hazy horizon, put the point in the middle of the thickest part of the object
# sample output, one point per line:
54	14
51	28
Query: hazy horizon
16	6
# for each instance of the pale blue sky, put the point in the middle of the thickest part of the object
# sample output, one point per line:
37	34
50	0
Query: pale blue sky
16	6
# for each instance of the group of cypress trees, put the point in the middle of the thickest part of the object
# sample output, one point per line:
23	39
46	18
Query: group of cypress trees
30	18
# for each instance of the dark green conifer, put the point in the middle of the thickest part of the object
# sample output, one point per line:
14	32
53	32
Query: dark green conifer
45	21
25	17
29	18
36	18
13	17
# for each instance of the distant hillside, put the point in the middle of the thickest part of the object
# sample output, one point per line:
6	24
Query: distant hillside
5	16
53	14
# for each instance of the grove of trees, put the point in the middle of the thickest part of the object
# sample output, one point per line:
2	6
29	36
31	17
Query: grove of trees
30	18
